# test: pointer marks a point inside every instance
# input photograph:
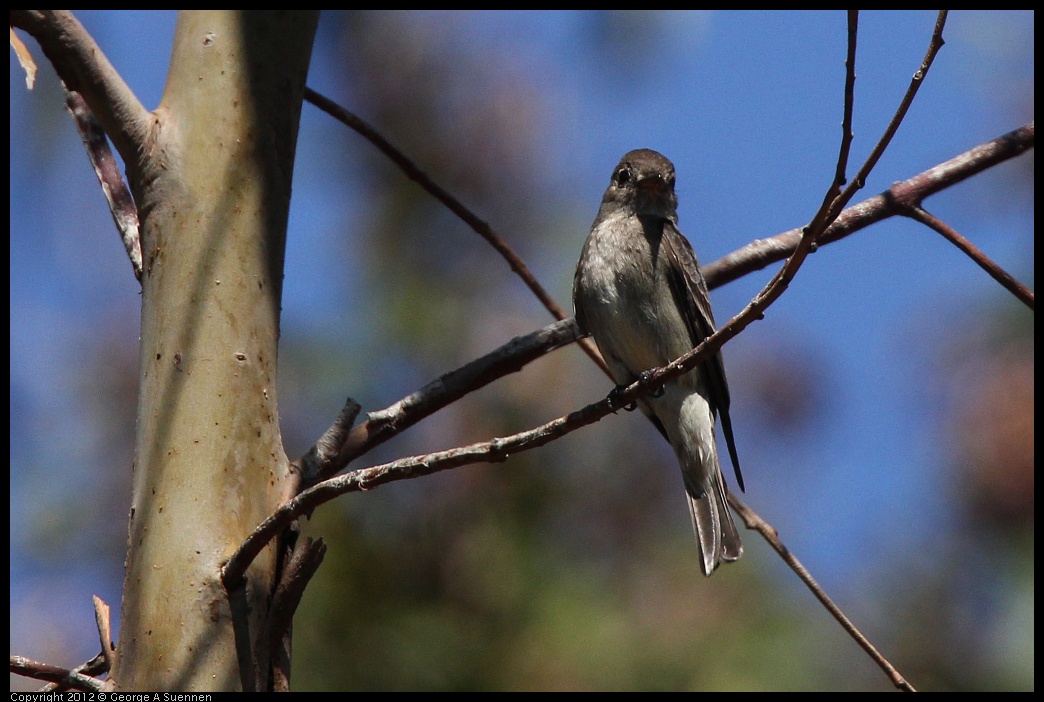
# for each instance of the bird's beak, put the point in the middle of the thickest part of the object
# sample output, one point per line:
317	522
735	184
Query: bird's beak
652	183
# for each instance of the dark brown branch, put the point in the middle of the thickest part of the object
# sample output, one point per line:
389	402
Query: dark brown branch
847	135
769	533
934	45
240	607
482	228
828	212
950	234
301	566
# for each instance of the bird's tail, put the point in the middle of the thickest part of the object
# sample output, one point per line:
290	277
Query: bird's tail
716	533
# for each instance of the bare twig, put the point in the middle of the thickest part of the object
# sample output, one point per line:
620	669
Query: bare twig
386	423
825	215
20	665
934	45
322	459
908	193
847	135
301	566
769	533
828	212
237	599
94	667
415	466
482	228
996	272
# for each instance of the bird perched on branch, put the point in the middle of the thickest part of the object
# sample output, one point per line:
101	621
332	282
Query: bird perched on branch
639	292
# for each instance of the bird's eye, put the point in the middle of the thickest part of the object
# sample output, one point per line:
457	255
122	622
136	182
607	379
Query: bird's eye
623	176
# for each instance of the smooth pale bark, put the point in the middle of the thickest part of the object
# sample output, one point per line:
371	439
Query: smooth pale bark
213	190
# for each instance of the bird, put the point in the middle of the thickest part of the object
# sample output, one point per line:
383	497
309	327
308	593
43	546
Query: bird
639	293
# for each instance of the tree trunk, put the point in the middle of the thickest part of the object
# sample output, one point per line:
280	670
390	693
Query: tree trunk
213	193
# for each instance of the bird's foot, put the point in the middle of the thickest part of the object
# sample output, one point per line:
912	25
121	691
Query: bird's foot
644	379
614	399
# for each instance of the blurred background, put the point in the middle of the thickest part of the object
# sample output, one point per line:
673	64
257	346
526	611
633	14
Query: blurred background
883	409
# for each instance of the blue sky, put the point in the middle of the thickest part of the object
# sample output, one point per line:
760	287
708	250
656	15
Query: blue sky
747	105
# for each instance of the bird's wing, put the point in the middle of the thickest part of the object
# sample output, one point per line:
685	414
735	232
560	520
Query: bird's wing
690	294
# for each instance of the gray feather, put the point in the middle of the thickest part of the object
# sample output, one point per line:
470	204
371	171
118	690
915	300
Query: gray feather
638	290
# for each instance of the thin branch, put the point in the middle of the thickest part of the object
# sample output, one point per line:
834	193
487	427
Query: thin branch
20	665
322	458
492	451
94	667
114	187
274	659
83	68
825	215
237	600
386	423
769	533
828	210
809	235
761	253
950	234
847	135
302	565
482	228
934	45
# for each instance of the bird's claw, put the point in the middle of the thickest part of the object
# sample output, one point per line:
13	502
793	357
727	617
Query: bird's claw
643	378
614	399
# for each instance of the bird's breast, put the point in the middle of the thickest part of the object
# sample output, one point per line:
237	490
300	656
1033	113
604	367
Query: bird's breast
626	301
